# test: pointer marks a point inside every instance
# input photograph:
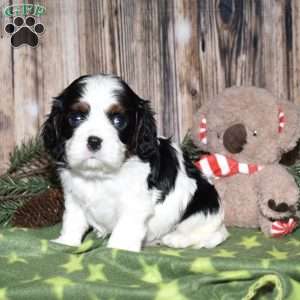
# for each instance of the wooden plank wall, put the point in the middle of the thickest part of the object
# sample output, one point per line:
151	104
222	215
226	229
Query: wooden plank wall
178	53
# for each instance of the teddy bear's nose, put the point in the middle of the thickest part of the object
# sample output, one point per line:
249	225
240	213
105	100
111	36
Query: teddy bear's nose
234	138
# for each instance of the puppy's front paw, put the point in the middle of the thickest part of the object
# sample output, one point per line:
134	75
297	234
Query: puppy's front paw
175	240
100	232
66	242
133	247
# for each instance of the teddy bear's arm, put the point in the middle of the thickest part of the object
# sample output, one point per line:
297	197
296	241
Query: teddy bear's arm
265	224
277	196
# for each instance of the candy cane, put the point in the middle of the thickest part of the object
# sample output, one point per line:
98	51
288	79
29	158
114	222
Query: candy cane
202	135
281	228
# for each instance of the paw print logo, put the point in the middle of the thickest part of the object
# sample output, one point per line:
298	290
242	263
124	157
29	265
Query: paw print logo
24	31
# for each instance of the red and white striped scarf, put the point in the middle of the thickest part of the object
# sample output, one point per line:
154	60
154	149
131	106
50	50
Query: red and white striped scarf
218	165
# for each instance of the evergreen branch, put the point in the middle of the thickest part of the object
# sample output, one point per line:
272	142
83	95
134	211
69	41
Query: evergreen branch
15	197
31	172
190	148
22	155
11	186
295	172
45	170
7	210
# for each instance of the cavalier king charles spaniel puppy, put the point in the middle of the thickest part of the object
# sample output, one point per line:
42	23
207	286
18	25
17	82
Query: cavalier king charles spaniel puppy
120	178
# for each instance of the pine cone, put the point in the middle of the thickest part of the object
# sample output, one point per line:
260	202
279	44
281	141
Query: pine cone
42	210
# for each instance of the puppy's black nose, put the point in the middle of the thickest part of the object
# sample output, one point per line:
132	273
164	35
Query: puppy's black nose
94	143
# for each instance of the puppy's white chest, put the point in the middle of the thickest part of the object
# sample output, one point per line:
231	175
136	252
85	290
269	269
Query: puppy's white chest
98	200
103	200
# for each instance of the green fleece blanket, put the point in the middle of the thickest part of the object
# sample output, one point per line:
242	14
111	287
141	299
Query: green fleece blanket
246	266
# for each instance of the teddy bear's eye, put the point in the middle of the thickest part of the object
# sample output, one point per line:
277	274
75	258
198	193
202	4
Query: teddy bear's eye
254	133
218	135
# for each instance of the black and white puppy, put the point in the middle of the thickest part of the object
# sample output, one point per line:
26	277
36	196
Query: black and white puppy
120	178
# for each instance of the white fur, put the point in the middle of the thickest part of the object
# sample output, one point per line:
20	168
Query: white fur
110	193
100	98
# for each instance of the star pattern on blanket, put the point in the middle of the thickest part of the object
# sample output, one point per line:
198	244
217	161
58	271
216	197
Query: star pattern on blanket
92	271
58	284
295	291
36	277
225	253
74	264
250	242
44	246
151	272
14	258
171	252
203	265
265	263
114	253
234	275
170	291
3	295
294	242
278	254
14	229
92	296
85	246
96	273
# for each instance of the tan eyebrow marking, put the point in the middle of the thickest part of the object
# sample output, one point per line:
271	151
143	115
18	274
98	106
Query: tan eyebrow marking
115	109
81	106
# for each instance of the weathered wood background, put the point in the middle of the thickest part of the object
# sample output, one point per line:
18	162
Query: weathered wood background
178	53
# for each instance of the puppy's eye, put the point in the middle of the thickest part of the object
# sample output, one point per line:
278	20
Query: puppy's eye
75	119
254	133
119	121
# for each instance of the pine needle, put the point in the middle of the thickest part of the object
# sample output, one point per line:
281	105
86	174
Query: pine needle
12	186
30	152
190	148
7	210
295	171
31	172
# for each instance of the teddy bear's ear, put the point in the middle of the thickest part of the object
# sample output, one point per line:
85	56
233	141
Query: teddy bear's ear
199	129
288	125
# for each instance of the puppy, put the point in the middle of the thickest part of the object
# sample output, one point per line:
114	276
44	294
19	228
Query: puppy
120	178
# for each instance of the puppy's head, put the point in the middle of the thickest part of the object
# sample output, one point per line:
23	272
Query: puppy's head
96	123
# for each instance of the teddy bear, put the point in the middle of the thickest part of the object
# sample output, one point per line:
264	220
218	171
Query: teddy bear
245	131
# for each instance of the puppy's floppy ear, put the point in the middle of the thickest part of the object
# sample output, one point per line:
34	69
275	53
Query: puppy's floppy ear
146	134
51	131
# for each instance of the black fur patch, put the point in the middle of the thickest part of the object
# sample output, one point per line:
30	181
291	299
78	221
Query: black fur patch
164	170
205	198
140	136
131	104
56	130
